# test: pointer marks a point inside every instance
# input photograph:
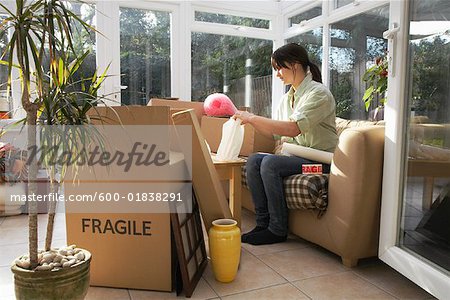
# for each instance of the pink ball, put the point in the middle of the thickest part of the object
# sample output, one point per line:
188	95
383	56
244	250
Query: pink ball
219	105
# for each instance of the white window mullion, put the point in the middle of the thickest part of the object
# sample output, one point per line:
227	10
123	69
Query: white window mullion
175	54
16	88
279	26
184	75
108	49
394	111
326	43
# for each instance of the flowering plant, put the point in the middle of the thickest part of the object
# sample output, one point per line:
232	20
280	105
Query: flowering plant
376	78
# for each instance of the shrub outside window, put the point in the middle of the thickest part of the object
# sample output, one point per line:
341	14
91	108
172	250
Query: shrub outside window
237	66
144	55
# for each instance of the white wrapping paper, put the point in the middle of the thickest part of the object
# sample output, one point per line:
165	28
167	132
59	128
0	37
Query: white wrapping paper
307	152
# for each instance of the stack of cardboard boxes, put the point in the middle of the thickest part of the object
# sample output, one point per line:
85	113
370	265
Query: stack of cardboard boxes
132	258
212	128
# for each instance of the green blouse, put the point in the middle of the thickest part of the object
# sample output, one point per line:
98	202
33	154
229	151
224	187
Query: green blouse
314	110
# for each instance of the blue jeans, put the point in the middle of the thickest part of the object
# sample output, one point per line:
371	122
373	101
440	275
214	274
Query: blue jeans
265	173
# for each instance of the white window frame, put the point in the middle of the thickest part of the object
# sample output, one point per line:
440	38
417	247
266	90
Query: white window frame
182	25
299	8
108	43
273	33
422	273
329	16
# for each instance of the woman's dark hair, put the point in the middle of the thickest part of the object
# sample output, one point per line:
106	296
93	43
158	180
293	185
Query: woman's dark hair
293	53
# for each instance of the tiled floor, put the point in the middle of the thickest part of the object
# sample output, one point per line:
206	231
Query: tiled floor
295	269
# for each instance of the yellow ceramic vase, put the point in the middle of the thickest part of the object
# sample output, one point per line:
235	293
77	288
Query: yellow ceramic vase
225	249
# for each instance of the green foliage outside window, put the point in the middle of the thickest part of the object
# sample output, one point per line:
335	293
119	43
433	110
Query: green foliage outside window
430	68
376	79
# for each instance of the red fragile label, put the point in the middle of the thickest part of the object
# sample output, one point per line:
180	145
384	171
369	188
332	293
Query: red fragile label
312	169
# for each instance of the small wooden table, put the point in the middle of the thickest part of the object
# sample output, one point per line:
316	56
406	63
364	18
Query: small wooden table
429	169
231	171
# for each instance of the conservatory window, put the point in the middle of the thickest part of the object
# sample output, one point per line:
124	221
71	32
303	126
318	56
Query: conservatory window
237	66
340	3
312	41
306	15
84	41
355	43
144	55
231	20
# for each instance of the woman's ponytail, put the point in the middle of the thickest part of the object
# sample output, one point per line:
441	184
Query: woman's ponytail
315	72
294	53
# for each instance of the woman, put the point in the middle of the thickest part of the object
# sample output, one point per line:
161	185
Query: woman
305	116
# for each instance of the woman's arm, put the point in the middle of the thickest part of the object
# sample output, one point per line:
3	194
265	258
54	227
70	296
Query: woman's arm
269	127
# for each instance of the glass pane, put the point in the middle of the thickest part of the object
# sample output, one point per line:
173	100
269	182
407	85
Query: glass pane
355	43
312	41
144	55
425	218
3	69
239	67
340	3
306	15
231	20
83	40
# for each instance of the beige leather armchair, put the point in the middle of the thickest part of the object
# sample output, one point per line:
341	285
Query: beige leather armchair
350	225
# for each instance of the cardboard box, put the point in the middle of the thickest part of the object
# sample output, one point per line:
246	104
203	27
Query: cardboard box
253	140
179	104
129	250
135	260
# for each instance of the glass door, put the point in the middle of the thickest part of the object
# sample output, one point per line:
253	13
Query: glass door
415	230
425	216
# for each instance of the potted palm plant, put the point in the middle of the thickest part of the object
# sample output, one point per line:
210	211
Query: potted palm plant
41	48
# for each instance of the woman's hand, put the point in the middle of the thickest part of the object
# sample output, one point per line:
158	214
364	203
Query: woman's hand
268	127
245	116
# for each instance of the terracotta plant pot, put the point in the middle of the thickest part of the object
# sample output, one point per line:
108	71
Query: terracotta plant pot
225	249
69	283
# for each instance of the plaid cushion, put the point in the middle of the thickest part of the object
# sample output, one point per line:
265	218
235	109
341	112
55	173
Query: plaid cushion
302	191
306	191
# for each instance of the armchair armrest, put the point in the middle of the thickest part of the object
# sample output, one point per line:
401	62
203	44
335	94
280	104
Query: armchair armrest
355	189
